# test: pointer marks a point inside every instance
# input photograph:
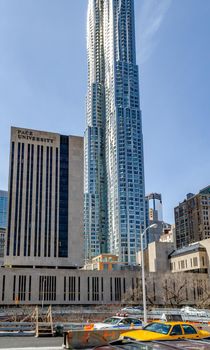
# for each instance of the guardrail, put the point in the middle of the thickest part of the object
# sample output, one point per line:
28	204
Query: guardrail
17	328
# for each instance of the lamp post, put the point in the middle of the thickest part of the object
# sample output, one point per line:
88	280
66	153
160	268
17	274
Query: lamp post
143	271
43	291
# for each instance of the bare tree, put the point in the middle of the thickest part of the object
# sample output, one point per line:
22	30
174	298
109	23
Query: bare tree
135	295
171	289
176	289
132	296
151	290
202	287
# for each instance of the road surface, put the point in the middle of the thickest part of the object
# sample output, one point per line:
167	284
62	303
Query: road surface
31	343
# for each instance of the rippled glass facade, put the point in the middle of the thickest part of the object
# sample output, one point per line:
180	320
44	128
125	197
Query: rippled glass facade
114	169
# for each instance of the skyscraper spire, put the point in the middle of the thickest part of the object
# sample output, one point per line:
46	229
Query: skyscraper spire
114	169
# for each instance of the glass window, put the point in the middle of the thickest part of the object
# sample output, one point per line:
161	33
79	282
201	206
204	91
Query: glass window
176	330
158	328
111	320
189	329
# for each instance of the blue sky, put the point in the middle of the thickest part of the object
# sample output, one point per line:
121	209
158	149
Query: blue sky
43	83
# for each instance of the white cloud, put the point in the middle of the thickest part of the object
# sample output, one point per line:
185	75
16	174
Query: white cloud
149	19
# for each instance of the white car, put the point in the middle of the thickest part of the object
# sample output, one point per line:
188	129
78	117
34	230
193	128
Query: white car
132	309
190	311
118	322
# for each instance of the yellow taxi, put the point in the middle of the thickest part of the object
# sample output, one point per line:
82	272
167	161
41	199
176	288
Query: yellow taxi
166	331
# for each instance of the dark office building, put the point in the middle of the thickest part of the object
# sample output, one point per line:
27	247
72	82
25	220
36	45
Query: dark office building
192	218
155	216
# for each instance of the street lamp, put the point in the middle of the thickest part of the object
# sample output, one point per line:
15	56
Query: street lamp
43	290
143	270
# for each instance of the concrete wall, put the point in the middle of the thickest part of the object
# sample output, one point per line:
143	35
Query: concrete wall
158	256
64	286
28	286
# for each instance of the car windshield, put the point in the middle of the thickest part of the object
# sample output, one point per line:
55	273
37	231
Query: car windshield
111	320
158	328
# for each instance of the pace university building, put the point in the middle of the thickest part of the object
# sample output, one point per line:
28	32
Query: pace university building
114	165
45	225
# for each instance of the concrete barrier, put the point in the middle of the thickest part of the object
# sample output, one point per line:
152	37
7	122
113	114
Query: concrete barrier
90	338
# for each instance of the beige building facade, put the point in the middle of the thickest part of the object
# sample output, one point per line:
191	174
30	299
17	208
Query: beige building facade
64	286
194	258
162	257
27	286
109	262
45	218
156	257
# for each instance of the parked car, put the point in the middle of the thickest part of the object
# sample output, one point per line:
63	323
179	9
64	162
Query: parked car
166	331
190	311
118	322
132	309
134	345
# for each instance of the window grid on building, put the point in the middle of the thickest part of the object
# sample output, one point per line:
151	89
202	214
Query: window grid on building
47	288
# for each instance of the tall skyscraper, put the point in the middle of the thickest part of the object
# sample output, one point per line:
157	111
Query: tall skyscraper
114	168
3	208
155	213
45	217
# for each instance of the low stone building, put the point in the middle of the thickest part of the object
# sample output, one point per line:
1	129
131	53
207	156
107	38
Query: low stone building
64	286
28	286
162	257
109	262
193	258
